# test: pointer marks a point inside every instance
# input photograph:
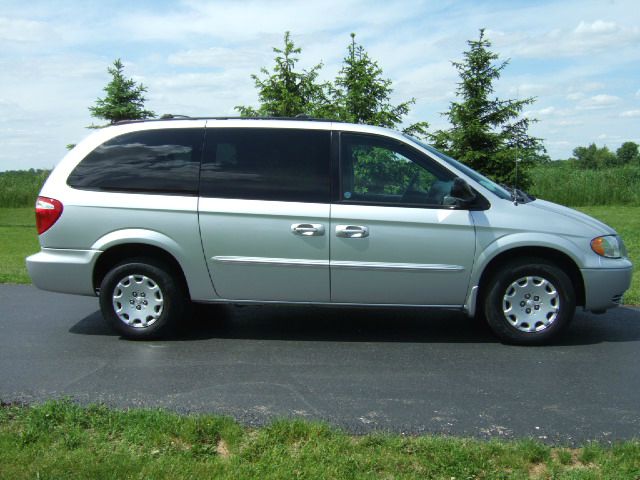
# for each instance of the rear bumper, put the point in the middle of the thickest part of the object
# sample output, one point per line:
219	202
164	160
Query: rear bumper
63	270
604	287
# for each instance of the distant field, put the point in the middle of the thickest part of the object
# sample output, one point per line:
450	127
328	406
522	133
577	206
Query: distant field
567	185
20	188
18	239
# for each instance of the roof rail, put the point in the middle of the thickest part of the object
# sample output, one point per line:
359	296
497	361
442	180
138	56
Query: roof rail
169	116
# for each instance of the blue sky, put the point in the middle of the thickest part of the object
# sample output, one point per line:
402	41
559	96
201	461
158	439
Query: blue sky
580	59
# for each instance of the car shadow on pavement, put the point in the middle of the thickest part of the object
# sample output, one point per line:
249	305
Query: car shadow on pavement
342	324
93	324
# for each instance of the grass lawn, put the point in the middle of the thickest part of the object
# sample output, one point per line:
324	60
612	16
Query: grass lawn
18	239
62	440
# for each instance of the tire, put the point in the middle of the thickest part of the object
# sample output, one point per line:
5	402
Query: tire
140	298
529	302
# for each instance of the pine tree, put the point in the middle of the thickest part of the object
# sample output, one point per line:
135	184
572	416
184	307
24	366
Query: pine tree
286	92
124	99
362	95
488	134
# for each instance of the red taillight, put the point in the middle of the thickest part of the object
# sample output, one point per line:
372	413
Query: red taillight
48	211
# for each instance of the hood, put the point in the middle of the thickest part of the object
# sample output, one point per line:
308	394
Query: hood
579	217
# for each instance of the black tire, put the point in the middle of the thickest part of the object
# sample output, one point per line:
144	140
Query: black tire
149	291
529	301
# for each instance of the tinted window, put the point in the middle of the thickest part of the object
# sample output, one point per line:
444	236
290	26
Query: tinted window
161	161
266	164
381	171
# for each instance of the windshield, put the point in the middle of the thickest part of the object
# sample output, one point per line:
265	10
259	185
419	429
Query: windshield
490	185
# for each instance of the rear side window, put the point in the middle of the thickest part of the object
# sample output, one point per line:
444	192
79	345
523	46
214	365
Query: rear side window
266	164
152	161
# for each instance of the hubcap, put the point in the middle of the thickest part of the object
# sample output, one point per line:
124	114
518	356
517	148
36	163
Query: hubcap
137	301
531	304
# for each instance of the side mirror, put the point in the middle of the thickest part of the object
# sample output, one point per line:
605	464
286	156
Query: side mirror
462	192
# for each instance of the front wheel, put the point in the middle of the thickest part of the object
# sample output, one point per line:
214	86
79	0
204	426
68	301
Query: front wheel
529	301
141	299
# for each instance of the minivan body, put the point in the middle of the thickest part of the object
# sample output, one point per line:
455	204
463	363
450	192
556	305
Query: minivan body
153	215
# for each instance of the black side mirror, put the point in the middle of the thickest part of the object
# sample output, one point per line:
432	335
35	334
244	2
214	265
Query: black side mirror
462	192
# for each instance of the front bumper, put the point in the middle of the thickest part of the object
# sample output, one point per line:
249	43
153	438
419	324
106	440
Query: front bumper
63	270
604	287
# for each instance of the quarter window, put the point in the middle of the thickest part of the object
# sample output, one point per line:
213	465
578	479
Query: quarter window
383	171
266	164
150	161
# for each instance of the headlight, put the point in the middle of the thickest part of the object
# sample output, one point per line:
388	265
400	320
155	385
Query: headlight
609	246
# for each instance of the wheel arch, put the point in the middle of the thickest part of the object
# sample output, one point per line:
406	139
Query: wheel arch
118	253
561	259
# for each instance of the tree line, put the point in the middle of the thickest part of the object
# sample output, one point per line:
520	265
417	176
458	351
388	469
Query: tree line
594	157
486	132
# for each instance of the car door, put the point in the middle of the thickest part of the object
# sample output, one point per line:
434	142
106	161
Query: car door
264	213
397	235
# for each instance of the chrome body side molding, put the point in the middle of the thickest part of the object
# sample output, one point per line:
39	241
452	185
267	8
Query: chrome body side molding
304	262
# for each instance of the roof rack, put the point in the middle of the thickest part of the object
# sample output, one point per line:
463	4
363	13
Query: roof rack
169	116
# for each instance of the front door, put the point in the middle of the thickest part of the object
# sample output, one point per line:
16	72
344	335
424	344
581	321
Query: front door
397	236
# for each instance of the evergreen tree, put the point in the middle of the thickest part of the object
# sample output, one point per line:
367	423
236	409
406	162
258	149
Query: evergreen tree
487	133
286	92
124	99
362	95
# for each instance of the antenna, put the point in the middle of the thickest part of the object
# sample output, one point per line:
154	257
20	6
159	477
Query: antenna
514	188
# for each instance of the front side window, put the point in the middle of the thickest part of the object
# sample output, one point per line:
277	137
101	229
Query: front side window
266	164
150	161
490	185
387	172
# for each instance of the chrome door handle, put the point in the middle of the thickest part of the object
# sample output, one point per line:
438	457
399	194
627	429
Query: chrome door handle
352	231
307	229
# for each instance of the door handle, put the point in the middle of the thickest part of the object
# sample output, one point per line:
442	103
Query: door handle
352	231
307	229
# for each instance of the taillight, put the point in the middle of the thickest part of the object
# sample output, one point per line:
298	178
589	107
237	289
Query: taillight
48	211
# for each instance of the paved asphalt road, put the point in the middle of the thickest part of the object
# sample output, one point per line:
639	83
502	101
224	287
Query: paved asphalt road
405	371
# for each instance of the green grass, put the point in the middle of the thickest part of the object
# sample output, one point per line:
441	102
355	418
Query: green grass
18	239
564	183
20	188
62	440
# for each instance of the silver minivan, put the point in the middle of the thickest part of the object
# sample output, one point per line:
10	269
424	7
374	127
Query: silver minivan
153	215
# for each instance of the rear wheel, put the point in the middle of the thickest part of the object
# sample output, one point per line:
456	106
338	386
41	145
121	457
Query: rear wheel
529	301
140	298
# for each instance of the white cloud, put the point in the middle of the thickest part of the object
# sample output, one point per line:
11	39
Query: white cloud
228	19
587	38
630	113
24	31
575	96
599	27
219	57
599	101
568	123
547	111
